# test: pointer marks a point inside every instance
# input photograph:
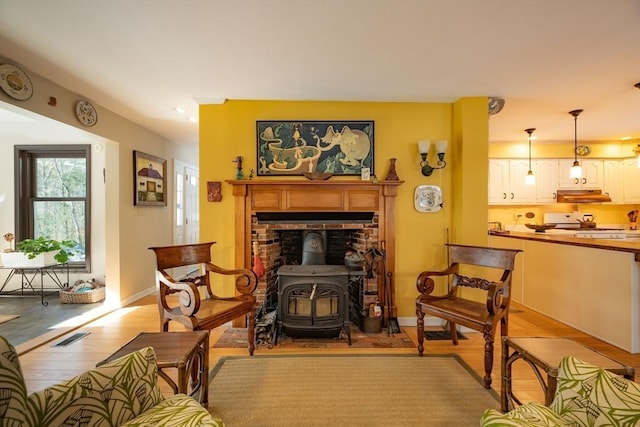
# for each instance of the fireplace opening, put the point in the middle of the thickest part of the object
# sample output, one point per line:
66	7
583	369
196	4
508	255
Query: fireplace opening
314	297
297	256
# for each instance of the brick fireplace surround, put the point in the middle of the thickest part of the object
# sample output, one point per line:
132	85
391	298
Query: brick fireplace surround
303	205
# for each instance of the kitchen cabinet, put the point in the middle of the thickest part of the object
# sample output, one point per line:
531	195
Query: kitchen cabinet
630	181
613	180
507	182
546	173
592	175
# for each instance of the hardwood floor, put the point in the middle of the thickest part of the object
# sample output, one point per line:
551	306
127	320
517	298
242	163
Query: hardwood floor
44	364
37	319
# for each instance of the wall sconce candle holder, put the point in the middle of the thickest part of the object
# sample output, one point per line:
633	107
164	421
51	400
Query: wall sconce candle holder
424	147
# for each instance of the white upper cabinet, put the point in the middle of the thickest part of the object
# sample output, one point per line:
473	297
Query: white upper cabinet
630	181
613	180
592	175
546	173
498	181
507	182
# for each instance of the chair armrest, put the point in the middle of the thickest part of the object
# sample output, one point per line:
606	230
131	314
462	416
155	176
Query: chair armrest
246	280
496	300
425	284
189	298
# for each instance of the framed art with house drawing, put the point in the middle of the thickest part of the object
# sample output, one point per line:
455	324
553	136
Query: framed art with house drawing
289	147
150	180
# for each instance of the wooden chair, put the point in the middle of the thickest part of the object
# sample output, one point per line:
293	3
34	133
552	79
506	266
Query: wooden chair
189	307
479	316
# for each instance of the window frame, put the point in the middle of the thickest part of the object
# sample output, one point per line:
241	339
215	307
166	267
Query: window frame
26	186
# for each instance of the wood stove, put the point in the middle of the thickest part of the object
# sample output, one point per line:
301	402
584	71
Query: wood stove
313	300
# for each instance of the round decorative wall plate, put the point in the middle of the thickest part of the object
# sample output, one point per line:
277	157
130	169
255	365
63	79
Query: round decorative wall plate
583	150
86	113
15	82
427	198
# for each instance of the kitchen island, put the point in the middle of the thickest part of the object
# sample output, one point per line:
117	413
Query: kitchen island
590	284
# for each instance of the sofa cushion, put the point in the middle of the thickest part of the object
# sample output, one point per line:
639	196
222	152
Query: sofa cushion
109	395
531	414
179	411
13	392
591	396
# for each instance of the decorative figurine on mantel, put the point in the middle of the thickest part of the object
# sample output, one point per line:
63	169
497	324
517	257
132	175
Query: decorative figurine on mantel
391	175
238	162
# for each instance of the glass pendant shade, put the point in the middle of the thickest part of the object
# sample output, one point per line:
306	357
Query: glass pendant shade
576	170
530	179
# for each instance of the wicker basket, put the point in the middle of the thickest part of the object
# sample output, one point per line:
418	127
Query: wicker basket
95	295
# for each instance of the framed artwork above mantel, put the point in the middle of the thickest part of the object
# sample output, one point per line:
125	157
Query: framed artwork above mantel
289	147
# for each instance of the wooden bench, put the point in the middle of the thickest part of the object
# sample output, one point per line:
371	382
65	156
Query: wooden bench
457	310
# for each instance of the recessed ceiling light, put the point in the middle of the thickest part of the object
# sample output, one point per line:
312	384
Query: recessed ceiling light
181	110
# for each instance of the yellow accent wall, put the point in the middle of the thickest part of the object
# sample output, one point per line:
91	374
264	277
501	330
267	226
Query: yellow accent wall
228	130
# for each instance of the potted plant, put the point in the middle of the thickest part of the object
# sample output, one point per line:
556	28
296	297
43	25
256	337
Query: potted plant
39	252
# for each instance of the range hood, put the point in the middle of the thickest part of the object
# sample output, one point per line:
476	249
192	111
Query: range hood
582	196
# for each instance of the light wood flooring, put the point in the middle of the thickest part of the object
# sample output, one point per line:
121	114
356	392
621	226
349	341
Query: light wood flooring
43	364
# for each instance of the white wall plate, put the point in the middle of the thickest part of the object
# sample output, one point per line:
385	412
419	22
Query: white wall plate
427	198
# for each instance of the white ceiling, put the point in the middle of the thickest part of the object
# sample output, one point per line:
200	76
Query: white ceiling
141	59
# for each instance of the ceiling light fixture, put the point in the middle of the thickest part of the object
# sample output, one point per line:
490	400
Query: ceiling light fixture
576	169
495	105
181	110
530	179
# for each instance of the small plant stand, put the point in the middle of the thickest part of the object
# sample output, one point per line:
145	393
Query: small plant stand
29	286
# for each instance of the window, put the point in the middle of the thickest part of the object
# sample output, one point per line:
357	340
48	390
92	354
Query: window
53	195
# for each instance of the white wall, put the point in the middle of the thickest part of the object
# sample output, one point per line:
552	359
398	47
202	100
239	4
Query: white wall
121	232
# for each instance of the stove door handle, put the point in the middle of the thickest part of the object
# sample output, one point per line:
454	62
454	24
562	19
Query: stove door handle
313	291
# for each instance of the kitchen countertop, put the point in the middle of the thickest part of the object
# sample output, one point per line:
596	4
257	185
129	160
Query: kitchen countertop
631	244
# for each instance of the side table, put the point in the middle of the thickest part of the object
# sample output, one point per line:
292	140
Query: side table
188	352
546	354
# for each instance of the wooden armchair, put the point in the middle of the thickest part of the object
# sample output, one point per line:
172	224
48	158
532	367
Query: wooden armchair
482	317
189	307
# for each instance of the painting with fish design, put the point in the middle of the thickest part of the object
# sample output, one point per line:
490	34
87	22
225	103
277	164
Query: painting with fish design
298	147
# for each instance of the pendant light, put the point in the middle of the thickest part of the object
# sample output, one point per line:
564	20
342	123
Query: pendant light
530	179
576	169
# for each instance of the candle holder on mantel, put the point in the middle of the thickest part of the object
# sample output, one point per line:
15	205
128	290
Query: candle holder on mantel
392	175
238	162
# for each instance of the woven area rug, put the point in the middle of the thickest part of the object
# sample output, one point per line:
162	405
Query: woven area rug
7	317
237	338
351	390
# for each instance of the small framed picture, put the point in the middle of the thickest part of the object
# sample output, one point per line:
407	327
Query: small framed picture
214	191
149	179
365	174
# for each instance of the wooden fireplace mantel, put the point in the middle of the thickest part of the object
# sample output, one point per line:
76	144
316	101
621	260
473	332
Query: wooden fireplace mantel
334	195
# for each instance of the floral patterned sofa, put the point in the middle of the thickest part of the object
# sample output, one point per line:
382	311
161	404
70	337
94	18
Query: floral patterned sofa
124	392
586	396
